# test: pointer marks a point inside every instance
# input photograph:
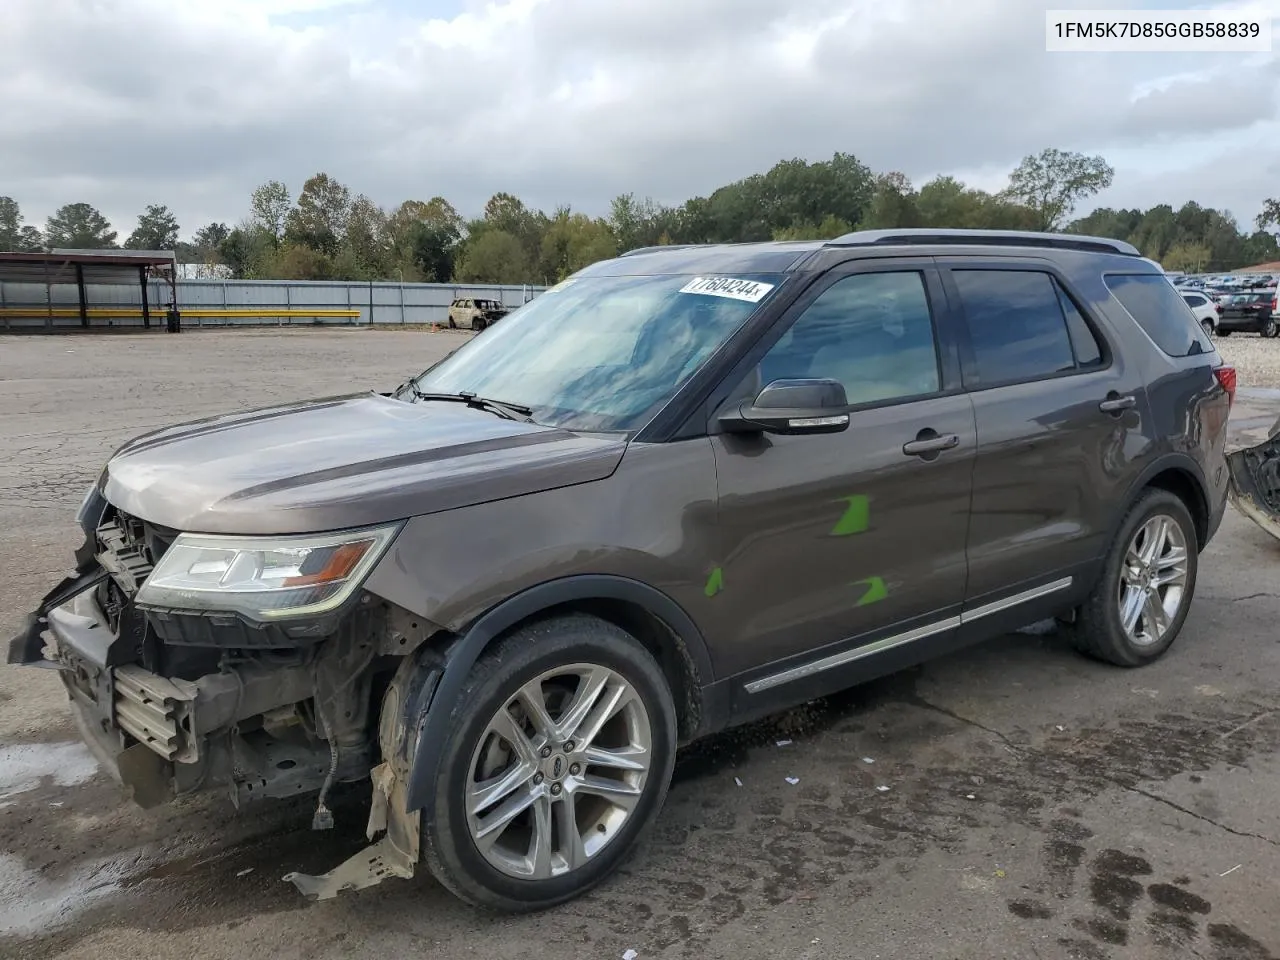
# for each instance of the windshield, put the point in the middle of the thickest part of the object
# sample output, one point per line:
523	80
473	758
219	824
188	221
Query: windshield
602	353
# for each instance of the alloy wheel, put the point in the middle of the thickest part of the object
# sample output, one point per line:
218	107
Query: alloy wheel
1153	580
558	771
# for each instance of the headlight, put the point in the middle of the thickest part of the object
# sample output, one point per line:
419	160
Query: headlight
264	578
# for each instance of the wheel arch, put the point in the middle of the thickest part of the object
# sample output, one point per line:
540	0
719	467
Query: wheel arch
659	623
1180	475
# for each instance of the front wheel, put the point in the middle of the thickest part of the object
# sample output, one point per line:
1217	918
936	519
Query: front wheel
558	760
1140	602
478	324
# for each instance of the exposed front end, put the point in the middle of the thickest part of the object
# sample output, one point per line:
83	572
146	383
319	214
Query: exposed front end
247	665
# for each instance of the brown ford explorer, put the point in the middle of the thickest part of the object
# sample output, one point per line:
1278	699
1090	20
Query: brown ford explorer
685	488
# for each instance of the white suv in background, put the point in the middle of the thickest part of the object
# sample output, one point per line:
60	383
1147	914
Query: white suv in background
1204	308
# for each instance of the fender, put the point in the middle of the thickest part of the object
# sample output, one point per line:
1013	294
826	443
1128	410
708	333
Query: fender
1167	461
467	649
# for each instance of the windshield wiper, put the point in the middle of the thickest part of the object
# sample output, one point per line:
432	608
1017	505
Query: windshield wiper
512	411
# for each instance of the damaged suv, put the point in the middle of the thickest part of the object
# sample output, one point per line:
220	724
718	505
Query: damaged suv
682	489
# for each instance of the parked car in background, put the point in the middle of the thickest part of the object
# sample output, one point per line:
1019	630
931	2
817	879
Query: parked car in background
475	313
681	490
1204	309
1251	312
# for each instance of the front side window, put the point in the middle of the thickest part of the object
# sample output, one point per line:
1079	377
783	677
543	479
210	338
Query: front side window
602	353
872	332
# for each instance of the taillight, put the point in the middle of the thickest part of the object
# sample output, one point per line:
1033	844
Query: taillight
1227	378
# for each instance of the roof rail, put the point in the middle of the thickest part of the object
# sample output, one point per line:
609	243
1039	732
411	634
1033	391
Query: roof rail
1000	238
664	246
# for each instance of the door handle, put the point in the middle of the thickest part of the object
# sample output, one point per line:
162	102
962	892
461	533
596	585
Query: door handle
936	444
1114	403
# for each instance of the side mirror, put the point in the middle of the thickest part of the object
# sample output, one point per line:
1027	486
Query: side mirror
791	407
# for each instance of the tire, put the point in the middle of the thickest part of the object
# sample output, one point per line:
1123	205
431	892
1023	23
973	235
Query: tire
478	324
453	324
1099	631
540	656
1270	329
1207	327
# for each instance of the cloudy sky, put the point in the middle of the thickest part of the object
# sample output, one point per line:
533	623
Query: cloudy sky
192	103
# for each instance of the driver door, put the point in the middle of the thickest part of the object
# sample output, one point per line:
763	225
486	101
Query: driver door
837	545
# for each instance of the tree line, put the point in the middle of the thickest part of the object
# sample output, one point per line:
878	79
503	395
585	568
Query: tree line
326	233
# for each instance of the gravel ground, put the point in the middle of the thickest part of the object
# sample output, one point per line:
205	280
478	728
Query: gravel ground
1257	361
1014	801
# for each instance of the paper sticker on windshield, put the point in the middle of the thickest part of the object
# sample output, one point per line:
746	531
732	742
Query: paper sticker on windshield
750	290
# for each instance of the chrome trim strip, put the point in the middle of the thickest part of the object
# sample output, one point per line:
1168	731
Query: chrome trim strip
910	636
848	656
998	606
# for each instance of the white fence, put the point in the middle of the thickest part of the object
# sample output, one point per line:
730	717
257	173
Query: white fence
35	307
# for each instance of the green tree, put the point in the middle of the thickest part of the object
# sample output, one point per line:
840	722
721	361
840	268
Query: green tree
507	213
319	220
157	229
573	241
207	240
1269	218
79	226
423	238
638	223
297	262
14	236
1187	257
269	207
893	205
1053	182
248	251
828	229
493	256
365	254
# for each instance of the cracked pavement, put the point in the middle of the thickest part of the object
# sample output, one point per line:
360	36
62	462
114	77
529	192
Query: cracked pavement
1037	804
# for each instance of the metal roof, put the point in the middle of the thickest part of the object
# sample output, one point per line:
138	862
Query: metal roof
98	266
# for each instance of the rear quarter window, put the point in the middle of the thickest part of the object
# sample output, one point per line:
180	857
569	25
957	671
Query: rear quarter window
1156	306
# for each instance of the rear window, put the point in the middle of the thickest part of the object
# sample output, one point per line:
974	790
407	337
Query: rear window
1153	302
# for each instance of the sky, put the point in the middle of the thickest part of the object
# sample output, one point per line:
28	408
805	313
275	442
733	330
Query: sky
192	103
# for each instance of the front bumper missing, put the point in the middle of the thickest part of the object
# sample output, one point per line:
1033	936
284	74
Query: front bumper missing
396	854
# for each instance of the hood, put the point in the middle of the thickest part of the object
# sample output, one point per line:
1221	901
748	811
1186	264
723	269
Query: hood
343	462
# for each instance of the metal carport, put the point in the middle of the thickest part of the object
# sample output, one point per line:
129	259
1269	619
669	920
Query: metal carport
86	267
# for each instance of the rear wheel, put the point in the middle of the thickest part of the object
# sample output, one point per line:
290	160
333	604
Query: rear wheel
1141	600
558	760
1270	328
1207	326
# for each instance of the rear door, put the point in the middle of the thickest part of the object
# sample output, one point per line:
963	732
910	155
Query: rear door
1062	424
836	546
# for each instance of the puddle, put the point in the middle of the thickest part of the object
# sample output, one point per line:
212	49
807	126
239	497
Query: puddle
23	766
30	904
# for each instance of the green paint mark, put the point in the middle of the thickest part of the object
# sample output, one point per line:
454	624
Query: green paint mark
715	582
876	590
856	516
